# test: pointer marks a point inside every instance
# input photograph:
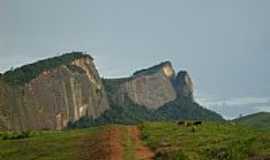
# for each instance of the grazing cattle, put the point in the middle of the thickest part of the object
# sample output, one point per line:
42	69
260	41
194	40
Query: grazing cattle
188	124
180	123
196	123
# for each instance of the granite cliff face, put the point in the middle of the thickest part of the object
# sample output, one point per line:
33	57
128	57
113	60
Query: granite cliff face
152	87
54	97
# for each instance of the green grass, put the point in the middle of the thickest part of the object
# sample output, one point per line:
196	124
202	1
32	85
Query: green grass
211	141
259	121
50	145
129	146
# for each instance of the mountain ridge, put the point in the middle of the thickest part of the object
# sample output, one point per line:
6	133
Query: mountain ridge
57	92
22	75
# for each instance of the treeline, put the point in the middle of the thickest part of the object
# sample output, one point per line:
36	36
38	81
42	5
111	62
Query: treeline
131	113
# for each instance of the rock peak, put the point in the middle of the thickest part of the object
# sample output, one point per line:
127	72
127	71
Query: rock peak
184	85
164	67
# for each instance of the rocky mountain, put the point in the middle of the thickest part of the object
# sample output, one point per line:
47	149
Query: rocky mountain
152	87
151	94
67	91
50	93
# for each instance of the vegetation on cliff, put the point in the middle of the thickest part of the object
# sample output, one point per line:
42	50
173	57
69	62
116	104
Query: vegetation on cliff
25	74
130	113
183	108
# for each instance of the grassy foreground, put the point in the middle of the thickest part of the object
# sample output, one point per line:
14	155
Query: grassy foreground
259	121
116	142
169	141
210	141
49	145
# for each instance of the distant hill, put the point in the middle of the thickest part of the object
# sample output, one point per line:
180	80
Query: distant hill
258	120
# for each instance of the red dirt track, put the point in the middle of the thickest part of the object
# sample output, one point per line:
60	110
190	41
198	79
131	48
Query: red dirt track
142	151
108	145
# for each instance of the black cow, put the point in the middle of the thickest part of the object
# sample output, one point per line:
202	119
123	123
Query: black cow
197	123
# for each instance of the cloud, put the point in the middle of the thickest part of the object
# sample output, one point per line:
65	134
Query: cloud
231	108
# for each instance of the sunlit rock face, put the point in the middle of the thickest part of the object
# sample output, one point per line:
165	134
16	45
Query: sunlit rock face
54	98
152	87
151	91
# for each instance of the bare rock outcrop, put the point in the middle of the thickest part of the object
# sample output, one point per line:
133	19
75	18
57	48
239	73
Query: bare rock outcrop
54	97
183	84
52	93
152	87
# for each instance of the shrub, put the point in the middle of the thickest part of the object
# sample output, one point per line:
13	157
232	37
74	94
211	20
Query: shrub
15	135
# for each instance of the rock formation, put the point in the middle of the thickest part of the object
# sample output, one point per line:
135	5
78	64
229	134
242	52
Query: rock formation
54	97
152	87
183	85
67	91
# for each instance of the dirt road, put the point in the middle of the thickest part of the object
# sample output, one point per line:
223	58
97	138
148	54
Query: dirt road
113	142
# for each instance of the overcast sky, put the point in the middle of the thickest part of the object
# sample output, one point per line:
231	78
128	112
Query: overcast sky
224	44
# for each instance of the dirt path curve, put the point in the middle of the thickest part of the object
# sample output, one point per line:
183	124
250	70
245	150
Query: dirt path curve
142	152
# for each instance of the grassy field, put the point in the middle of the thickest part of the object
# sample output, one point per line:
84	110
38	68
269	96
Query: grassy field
210	141
105	142
259	121
49	145
168	141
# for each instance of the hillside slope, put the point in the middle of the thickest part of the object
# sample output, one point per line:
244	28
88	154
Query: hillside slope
258	120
